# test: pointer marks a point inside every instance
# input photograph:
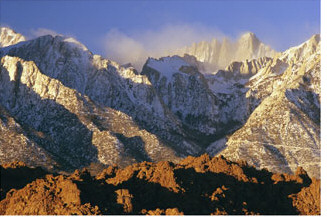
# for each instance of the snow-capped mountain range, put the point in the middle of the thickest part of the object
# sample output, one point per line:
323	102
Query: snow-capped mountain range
218	54
61	107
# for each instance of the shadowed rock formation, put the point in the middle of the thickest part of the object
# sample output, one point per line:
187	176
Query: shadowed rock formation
16	175
195	185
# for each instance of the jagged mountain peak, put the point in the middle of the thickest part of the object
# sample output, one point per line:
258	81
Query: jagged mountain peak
58	42
9	37
65	73
57	56
59	38
314	40
178	106
302	51
217	54
249	36
279	62
8	31
250	41
283	129
315	37
69	41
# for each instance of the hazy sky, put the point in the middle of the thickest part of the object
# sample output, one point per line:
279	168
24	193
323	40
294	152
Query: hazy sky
143	25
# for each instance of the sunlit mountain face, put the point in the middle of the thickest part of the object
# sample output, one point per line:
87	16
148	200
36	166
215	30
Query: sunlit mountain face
73	108
238	104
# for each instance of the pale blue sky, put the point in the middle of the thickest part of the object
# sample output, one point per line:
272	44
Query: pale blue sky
278	23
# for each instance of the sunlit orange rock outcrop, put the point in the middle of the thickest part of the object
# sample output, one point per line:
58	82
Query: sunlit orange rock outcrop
195	185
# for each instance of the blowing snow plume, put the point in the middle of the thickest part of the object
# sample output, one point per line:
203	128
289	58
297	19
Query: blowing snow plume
208	45
138	46
42	31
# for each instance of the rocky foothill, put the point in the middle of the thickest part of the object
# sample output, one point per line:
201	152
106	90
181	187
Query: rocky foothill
195	185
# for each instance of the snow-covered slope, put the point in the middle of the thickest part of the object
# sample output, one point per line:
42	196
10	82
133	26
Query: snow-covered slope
207	106
182	89
71	128
16	145
66	107
53	83
9	37
283	131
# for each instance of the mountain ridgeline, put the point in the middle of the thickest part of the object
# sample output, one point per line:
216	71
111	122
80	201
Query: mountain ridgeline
64	108
219	54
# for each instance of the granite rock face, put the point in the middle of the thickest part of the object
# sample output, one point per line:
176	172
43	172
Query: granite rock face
207	106
283	131
64	108
9	37
245	68
184	91
65	98
219	54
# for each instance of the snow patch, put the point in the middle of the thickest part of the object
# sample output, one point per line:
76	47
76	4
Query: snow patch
167	66
73	42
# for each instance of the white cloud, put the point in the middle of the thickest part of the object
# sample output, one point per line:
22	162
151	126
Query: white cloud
140	45
42	31
124	49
